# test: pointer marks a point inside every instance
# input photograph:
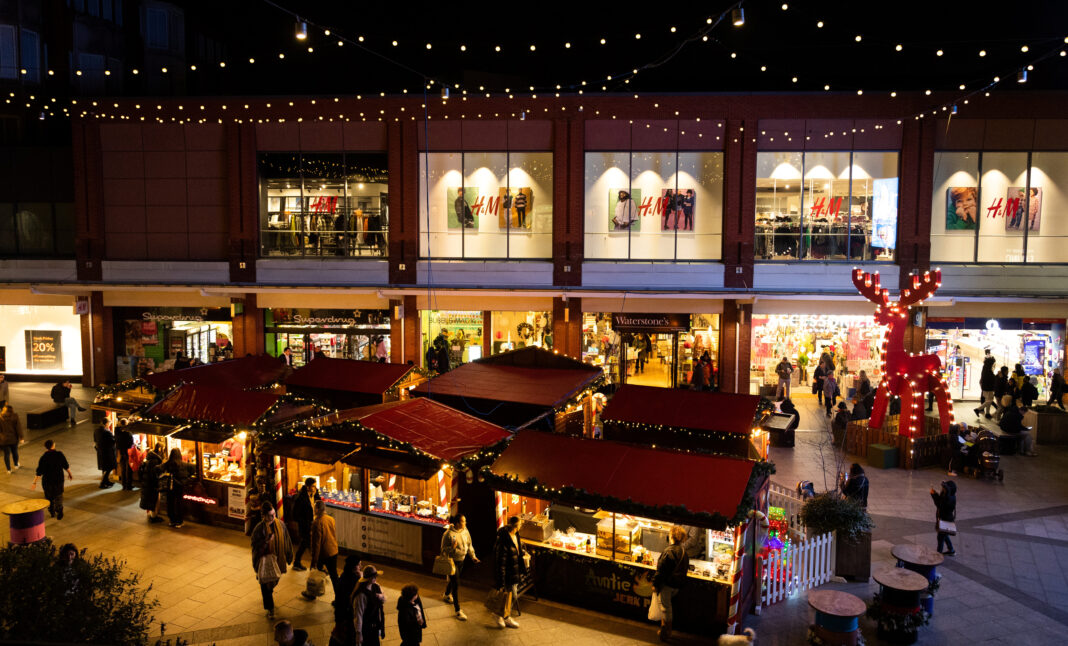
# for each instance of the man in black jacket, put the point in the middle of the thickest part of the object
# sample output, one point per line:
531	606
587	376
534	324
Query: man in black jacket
50	470
104	442
304	514
61	395
509	565
670	574
124	441
988	382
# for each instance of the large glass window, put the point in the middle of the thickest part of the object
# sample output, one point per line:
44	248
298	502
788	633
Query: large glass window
486	205
654	205
36	229
826	205
324	204
988	207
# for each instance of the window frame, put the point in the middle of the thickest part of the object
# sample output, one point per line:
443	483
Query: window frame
54	252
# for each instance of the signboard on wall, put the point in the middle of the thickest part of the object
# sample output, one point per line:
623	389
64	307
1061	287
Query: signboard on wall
44	350
379	536
650	322
328	318
235	502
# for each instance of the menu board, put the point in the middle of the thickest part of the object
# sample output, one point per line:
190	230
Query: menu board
44	350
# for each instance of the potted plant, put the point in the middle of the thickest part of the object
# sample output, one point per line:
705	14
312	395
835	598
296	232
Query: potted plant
831	512
1050	424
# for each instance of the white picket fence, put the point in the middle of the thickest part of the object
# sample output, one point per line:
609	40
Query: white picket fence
807	562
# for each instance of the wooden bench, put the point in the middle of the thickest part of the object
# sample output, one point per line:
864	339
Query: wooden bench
46	416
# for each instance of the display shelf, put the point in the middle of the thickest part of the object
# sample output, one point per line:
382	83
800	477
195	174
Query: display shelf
697	573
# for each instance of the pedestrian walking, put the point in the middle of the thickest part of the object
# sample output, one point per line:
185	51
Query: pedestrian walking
1056	389
61	395
509	565
411	619
817	381
10	437
945	502
1001	388
286	635
344	630
149	476
272	551
5	395
124	441
368	609
1029	392
830	391
174	474
324	543
456	544
50	470
304	514
988	382
855	485
784	370
863	385
671	570
104	442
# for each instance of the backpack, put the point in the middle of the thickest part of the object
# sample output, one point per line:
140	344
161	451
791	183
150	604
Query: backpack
165	481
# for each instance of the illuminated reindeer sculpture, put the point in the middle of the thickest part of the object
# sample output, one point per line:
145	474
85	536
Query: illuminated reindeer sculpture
904	374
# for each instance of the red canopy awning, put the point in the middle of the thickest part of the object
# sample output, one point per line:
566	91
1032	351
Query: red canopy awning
347	375
643	475
243	373
688	409
549	387
429	426
214	404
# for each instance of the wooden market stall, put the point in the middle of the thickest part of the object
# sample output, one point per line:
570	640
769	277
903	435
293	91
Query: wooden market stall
529	387
214	427
712	422
392	473
347	383
598	513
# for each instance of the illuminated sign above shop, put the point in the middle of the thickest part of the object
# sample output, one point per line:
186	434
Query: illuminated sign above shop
650	322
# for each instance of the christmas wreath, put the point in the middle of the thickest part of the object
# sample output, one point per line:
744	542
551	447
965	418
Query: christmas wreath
525	330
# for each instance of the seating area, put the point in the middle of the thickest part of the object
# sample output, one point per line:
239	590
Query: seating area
46	416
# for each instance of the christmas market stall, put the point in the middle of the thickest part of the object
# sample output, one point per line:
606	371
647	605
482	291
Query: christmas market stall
391	473
709	422
348	383
597	514
525	388
215	429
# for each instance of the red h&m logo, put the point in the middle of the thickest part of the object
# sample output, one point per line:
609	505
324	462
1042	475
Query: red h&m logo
325	204
486	206
823	207
1011	206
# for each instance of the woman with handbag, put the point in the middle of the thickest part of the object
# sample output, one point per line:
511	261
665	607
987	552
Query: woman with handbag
272	550
945	515
671	570
509	561
456	546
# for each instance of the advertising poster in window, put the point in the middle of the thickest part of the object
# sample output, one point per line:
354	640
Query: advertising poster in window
676	209
884	213
459	207
517	208
149	333
623	209
962	204
44	350
1034	356
1021	205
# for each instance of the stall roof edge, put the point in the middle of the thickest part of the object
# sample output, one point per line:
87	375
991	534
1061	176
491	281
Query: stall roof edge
241	373
349	375
677	408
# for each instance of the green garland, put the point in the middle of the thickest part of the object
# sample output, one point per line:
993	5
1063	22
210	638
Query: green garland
258	425
106	390
815	640
894	622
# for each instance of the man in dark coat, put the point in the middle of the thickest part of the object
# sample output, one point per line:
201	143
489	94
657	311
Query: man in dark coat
124	441
105	454
149	474
50	470
61	395
304	514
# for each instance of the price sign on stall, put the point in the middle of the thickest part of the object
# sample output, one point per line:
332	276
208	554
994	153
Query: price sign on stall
43	350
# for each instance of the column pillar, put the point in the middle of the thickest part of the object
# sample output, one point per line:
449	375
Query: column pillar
735	329
249	337
404	343
567	327
98	343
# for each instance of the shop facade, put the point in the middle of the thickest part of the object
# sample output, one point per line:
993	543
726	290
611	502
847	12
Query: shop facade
469	335
150	339
339	334
40	341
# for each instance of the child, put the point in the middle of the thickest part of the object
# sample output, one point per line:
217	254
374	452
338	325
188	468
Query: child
410	616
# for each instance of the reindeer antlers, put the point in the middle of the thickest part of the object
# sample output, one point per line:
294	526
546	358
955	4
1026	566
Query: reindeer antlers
868	286
921	290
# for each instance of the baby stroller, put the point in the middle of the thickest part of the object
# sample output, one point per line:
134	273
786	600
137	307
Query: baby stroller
983	459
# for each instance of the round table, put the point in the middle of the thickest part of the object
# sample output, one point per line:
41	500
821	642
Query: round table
899	594
923	561
26	519
837	615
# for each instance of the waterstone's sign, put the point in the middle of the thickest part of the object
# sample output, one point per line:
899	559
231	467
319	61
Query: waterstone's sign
651	322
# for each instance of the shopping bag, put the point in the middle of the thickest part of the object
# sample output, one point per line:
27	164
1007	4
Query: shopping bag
444	566
268	571
656	612
316	584
947	527
496	600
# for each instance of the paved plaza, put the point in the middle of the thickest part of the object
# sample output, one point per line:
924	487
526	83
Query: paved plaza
1007	584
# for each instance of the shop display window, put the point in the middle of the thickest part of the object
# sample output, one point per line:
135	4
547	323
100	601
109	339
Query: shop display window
486	205
41	339
324	204
412	498
703	337
225	461
452	336
601	347
826	205
339	484
654	205
995	207
514	330
36	229
617	537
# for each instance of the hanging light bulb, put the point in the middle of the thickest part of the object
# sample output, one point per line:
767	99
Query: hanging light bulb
1021	77
738	17
302	30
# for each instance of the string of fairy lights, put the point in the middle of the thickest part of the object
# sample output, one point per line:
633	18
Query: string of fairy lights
1040	51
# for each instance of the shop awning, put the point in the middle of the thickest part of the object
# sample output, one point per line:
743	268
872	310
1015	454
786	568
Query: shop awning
203	434
309	449
526	376
148	428
214	404
683	409
240	374
606	473
391	462
434	428
347	375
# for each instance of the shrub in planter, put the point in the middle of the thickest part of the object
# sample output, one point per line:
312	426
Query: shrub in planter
830	512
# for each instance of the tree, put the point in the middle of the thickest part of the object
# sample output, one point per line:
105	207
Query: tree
94	600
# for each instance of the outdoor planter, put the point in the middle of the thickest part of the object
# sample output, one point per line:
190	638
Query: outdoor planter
1050	424
853	557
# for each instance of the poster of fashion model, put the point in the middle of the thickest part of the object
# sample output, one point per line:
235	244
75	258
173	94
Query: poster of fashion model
623	209
676	209
1020	205
962	203
884	213
517	208
458	207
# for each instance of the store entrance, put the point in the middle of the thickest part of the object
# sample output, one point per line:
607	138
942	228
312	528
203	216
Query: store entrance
651	359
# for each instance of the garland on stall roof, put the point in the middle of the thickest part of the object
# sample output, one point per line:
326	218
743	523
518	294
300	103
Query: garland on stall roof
106	390
395	389
258	425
